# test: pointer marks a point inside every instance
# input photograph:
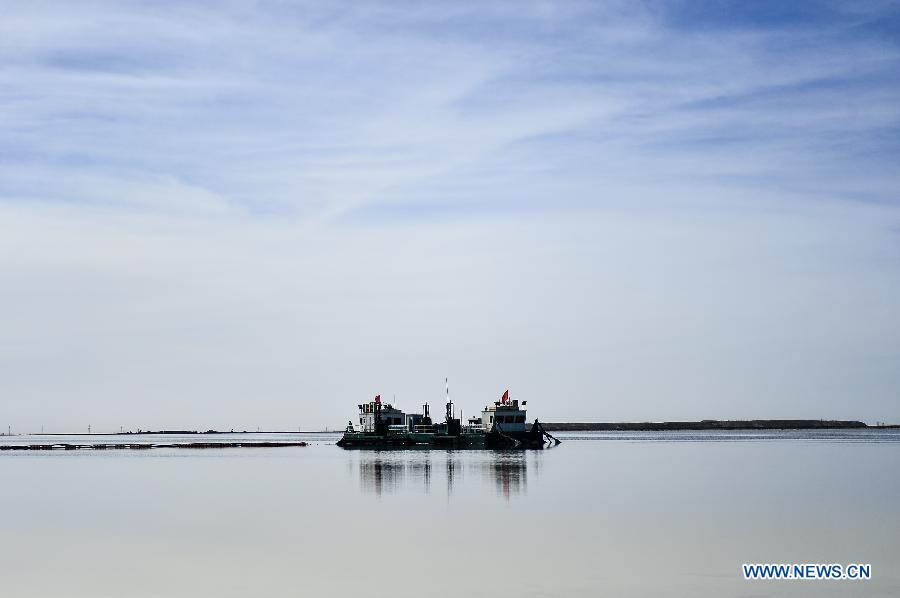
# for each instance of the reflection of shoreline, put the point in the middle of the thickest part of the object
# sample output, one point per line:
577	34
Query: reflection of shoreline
404	471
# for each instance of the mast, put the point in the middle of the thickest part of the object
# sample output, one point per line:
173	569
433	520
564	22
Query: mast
453	426
377	415
449	402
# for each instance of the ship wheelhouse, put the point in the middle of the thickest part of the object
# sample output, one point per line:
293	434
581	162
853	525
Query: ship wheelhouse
505	414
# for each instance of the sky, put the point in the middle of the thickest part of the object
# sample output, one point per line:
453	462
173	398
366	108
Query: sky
234	215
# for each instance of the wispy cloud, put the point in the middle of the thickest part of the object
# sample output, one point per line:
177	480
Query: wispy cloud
317	110
170	171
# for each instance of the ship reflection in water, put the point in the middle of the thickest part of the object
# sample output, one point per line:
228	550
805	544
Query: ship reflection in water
394	472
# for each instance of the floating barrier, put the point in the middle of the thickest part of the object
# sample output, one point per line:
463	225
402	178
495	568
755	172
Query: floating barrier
145	446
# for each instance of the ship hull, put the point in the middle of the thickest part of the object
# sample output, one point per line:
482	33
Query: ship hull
493	440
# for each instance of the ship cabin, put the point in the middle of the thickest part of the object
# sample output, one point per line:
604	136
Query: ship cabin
396	420
390	415
505	414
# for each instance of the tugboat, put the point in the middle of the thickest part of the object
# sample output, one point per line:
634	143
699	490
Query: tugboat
502	425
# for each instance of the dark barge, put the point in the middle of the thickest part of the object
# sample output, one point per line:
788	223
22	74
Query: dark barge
502	425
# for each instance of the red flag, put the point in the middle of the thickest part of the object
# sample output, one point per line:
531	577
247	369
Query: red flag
505	398
377	398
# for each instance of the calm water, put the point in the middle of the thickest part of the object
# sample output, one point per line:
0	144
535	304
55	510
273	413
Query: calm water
617	514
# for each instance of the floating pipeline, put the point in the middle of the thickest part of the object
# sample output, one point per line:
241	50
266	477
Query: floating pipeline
145	446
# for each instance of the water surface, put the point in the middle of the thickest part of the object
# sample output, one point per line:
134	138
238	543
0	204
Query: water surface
613	513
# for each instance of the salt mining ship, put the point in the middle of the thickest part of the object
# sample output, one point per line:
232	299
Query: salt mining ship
502	425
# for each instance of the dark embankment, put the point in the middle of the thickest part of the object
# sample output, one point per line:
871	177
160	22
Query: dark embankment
706	424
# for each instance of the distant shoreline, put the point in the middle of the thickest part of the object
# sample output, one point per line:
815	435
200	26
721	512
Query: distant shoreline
706	424
711	424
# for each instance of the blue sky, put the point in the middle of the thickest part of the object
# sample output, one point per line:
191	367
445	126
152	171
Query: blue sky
235	214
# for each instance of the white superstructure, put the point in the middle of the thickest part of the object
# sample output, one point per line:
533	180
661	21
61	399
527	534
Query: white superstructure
505	414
